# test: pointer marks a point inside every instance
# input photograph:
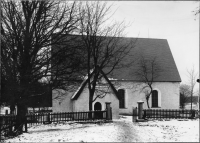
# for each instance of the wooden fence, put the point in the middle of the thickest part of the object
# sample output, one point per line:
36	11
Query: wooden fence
168	113
44	118
8	122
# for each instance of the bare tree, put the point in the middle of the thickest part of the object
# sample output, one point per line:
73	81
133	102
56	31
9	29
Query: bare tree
198	95
197	10
29	30
103	43
192	76
184	95
147	71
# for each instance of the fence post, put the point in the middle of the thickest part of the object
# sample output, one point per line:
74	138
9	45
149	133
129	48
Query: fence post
192	114
144	116
48	118
1	120
110	113
108	108
0	129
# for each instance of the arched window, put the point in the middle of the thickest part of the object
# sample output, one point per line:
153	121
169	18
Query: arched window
121	93
154	98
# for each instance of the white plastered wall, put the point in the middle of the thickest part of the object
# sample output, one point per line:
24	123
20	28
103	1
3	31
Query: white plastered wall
82	103
168	93
61	101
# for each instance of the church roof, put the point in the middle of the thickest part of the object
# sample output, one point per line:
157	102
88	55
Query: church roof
151	48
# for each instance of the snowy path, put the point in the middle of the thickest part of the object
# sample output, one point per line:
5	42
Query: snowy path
117	131
121	130
166	130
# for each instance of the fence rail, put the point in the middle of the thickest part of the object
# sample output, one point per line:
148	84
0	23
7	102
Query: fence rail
7	122
168	113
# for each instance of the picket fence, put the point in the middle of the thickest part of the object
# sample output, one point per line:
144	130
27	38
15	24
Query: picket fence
169	113
8	122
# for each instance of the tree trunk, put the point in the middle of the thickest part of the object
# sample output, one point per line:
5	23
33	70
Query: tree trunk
148	103
191	98
147	99
90	109
33	109
90	103
12	109
21	117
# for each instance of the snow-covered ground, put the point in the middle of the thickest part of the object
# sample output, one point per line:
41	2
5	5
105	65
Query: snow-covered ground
121	130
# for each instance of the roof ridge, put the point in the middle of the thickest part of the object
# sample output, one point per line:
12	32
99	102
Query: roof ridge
128	37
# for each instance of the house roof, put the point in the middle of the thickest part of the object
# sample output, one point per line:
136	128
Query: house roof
158	48
84	83
79	90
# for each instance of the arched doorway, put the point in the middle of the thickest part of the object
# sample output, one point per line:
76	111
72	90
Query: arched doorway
97	106
98	114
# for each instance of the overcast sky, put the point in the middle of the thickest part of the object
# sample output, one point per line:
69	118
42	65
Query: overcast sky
169	20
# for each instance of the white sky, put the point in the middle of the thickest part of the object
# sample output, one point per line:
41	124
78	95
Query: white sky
169	20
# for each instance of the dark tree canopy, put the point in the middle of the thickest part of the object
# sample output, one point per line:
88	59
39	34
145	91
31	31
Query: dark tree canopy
28	30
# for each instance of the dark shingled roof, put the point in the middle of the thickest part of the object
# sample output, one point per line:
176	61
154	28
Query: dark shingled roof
158	48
